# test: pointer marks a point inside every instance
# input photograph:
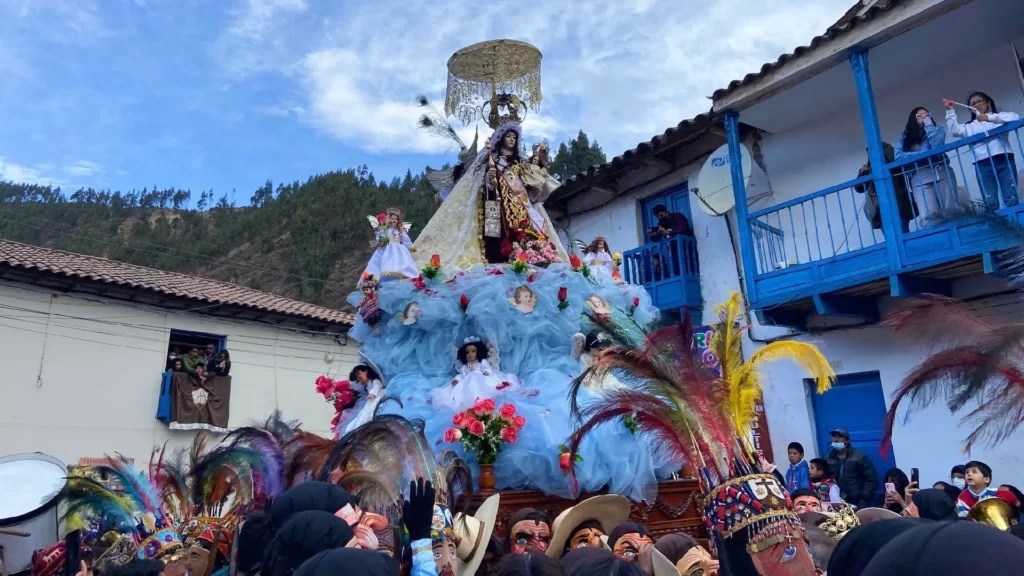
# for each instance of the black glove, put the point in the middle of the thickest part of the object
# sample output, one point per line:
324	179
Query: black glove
418	510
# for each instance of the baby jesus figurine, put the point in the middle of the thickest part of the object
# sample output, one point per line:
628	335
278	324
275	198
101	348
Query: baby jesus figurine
536	177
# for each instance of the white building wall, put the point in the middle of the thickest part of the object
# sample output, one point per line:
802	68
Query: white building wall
87	382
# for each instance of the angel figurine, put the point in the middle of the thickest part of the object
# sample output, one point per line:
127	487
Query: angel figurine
478	377
392	256
585	349
599	258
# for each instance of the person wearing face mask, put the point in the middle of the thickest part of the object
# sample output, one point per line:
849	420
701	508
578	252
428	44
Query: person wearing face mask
956	476
854	472
993	158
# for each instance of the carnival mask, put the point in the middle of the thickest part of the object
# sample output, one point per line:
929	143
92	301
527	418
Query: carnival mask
806	504
586	538
176	565
530	536
198	560
629	546
442	541
697	562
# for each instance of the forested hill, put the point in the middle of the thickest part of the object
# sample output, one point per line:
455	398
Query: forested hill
305	240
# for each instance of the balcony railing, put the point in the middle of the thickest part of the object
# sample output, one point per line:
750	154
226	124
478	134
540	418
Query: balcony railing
825	241
669	269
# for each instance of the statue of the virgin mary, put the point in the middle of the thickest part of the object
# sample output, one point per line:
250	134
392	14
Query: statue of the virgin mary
495	210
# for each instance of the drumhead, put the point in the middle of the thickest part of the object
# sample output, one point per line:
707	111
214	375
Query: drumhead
29	482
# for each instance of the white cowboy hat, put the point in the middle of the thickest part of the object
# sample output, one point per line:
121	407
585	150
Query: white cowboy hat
609	510
473	534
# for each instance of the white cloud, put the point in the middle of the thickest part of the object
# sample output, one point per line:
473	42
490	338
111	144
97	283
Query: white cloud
257	37
39	174
621	73
83	168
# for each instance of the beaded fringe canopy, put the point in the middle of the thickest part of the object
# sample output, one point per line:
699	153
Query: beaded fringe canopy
483	70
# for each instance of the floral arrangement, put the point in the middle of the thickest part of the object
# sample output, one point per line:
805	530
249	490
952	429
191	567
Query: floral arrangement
563	298
433	268
617	258
537	252
483	429
579	265
520	265
339	393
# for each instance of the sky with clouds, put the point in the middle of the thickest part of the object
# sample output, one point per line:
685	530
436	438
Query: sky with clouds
225	94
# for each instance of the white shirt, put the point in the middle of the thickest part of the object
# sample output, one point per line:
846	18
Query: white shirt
985	148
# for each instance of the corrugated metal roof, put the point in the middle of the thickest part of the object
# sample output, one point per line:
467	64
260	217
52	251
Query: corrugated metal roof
854	17
27	257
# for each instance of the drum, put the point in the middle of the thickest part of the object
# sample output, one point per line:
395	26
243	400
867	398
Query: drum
30	485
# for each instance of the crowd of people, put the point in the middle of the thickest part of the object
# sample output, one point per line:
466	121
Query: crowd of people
927	188
200	363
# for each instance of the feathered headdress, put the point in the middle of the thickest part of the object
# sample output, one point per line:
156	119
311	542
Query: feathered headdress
979	364
740	385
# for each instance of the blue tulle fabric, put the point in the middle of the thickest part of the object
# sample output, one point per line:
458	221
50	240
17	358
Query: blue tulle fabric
535	347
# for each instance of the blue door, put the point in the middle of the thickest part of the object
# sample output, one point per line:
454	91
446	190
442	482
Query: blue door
856	402
676	200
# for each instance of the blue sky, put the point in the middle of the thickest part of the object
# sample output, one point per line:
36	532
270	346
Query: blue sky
225	94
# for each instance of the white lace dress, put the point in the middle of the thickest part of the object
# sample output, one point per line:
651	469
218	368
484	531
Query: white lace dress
474	380
394	258
376	389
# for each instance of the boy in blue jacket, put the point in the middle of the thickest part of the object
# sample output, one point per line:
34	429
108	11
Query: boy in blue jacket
798	476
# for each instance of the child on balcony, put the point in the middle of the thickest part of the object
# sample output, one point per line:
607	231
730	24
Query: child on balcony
933	183
993	158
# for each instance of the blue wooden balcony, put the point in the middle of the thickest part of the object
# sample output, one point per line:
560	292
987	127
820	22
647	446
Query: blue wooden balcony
670	271
819	252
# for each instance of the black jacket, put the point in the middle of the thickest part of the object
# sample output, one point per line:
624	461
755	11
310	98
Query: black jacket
855	476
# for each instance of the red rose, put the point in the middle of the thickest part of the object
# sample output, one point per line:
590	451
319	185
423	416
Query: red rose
636	301
435	261
563	293
476	428
506	251
503	385
463	302
507	411
342	386
381	218
486	406
460	419
518	422
325	386
521	257
452	435
509	435
521	236
563	462
530	277
574	261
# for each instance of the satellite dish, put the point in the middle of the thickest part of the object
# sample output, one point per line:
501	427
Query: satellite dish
714	184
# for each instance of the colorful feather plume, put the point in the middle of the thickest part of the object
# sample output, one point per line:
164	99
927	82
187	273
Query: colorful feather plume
146	498
741	381
270	473
981	368
89	500
667	393
306	454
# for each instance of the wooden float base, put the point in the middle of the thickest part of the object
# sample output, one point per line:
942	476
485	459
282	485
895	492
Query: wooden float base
676	509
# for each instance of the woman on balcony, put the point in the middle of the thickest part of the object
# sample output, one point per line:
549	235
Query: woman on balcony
931	179
993	158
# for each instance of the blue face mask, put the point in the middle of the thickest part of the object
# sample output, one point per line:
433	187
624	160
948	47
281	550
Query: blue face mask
839	445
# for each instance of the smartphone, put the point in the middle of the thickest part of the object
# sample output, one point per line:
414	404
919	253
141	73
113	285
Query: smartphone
915	476
73	549
890	487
